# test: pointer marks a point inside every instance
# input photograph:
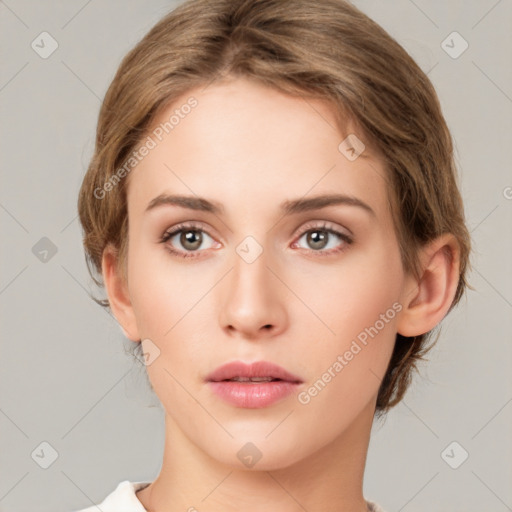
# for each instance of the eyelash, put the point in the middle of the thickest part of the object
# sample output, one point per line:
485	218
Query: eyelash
308	228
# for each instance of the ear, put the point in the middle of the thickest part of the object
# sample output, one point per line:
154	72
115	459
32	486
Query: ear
426	301
118	294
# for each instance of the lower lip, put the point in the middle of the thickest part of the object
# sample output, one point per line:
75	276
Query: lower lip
253	395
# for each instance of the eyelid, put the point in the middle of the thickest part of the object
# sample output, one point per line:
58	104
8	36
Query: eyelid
182	226
322	224
313	224
347	238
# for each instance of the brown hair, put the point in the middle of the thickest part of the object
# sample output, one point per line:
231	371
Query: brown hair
326	49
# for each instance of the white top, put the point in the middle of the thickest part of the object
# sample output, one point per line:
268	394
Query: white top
123	499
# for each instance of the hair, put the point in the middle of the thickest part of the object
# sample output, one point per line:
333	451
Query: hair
327	50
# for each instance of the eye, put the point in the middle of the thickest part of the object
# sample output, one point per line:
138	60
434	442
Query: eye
319	237
189	236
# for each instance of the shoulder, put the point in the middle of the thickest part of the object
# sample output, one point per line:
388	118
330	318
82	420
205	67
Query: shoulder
121	499
374	507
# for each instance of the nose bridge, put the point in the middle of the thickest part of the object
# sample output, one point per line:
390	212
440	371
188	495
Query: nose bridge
253	297
251	276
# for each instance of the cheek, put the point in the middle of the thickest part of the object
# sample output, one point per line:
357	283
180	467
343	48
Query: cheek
358	307
345	370
169	311
350	296
161	294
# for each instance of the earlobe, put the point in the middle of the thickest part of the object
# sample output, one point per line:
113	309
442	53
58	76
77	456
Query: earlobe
118	294
426	301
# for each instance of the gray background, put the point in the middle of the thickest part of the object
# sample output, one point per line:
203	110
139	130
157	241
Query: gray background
65	378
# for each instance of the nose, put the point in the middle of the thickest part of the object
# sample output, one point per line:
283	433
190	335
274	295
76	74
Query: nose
253	299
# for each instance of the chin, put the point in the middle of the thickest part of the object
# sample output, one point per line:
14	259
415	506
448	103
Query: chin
257	453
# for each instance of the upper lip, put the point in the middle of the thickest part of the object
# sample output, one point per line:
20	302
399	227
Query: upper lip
256	369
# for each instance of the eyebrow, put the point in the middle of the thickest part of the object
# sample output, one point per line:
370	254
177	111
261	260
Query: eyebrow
289	207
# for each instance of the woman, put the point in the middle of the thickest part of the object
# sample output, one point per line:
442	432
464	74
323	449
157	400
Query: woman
273	210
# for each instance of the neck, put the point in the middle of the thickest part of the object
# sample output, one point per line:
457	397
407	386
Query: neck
330	479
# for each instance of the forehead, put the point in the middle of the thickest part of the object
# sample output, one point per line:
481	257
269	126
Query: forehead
243	140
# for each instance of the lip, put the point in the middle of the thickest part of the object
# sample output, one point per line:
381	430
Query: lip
256	369
252	395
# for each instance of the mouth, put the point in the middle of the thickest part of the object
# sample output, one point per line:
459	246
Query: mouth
253	386
257	372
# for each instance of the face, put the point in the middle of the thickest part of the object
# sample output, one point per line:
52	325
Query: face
247	274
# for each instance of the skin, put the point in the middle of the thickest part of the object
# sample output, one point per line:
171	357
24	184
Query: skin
250	148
